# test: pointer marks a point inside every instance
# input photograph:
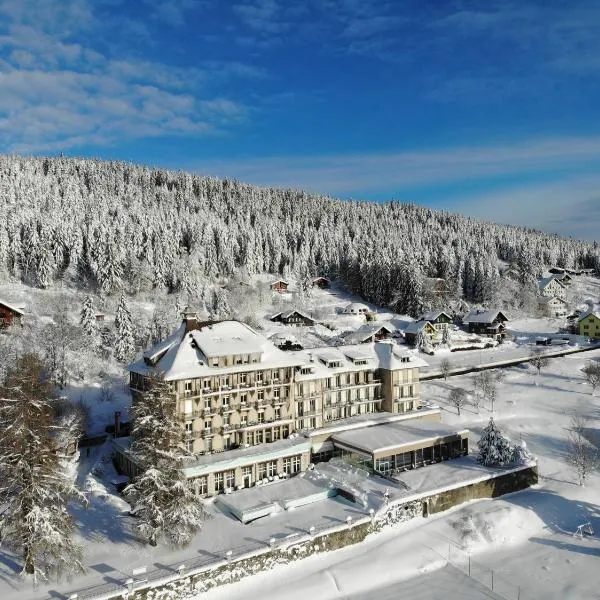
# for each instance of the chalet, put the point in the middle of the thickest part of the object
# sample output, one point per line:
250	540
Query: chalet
549	286
280	286
417	328
438	318
490	323
321	282
436	286
552	307
9	314
556	271
293	317
589	325
356	308
100	317
564	278
370	332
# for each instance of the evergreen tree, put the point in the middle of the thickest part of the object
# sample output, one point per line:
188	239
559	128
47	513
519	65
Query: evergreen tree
124	343
36	488
87	320
161	497
494	449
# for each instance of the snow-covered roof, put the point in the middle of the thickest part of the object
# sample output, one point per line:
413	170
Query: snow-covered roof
279	281
416	326
351	358
288	313
367	331
547	299
356	307
393	436
11	307
187	354
434	315
546	281
587	313
282	338
478	315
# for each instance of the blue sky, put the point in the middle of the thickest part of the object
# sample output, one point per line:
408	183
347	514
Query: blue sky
485	108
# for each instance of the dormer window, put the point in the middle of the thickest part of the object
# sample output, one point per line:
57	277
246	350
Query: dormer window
334	364
405	359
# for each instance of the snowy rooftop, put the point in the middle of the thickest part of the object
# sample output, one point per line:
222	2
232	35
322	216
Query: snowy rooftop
185	355
546	281
11	307
415	326
288	313
587	313
368	330
393	436
478	315
433	315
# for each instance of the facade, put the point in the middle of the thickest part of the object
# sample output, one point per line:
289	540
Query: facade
438	318
371	332
294	317
244	403
416	328
552	307
589	325
9	314
490	323
552	287
280	286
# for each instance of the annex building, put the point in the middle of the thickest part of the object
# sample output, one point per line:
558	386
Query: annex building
254	413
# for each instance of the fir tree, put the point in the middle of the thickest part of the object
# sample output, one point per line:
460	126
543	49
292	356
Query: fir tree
161	497
87	320
124	343
494	449
35	489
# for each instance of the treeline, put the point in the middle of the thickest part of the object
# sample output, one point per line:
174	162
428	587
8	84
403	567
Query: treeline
114	226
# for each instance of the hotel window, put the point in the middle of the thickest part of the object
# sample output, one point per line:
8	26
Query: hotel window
229	479
243	377
219	480
276	375
214	362
189	445
259	376
262	470
312	406
207	426
208	445
275	434
224	381
291	465
243	421
261	416
277	413
226	420
276	392
188	426
188	388
207	405
238	360
243	399
225	401
272	468
261	395
201	486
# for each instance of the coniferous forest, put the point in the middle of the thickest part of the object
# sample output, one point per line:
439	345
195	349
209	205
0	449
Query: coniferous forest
113	227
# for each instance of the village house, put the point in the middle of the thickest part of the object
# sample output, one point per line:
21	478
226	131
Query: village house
564	278
9	314
293	317
321	282
489	323
370	332
356	308
435	286
551	287
589	325
552	307
280	286
415	329
438	318
240	399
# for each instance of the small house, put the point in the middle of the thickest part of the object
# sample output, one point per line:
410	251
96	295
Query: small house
552	307
321	282
564	278
552	287
280	286
438	318
9	314
100	317
589	325
356	308
490	323
294	318
417	328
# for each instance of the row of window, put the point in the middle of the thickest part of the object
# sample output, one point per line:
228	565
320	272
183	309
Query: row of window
225	381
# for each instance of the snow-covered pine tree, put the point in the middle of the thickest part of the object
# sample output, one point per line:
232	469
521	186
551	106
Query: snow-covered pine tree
36	488
494	449
161	497
124	342
87	320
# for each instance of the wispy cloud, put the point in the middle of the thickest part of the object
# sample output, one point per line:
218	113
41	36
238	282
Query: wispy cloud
58	91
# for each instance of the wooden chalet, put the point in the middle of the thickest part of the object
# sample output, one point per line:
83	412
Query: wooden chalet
490	323
416	328
371	332
321	282
438	318
9	315
294	318
280	286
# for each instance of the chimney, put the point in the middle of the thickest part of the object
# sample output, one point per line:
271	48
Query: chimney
117	423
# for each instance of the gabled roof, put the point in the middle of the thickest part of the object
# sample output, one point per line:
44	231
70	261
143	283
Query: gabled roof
356	306
434	315
288	313
477	315
417	326
11	307
587	313
279	281
546	281
367	331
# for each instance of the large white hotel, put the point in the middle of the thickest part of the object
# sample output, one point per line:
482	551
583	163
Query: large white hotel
252	412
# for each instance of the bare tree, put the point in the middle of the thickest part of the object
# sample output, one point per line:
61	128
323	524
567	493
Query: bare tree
592	375
485	387
538	360
445	367
582	453
458	397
